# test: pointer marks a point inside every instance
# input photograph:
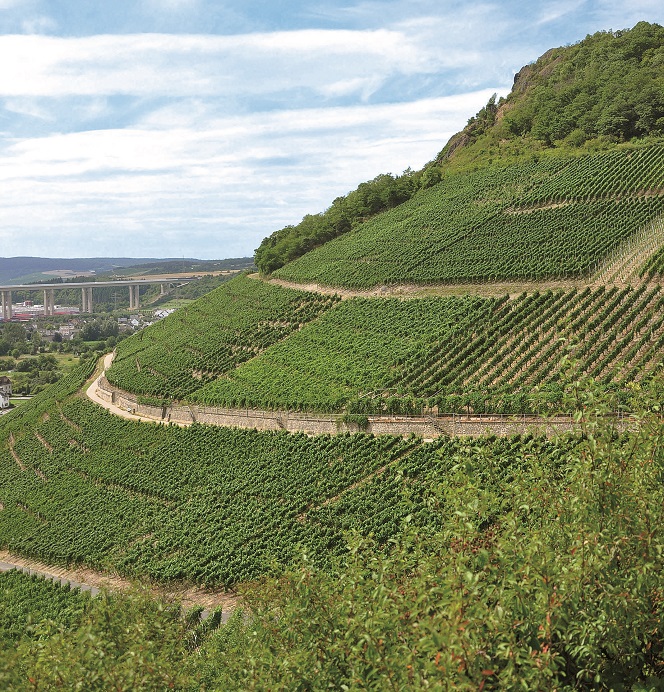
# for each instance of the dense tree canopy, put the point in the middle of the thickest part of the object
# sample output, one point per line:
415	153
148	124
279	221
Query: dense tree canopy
609	85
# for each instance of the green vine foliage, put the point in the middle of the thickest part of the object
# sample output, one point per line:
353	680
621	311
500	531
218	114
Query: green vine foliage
553	583
550	217
539	566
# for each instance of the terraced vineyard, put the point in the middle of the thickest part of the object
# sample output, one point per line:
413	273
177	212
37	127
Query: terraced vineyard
482	563
200	342
458	354
256	345
555	218
209	505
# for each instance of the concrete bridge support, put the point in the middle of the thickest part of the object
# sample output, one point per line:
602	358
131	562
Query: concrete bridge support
86	299
49	301
162	289
134	297
6	305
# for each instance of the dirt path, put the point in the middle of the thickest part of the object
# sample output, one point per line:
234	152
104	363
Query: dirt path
91	393
513	288
488	290
93	581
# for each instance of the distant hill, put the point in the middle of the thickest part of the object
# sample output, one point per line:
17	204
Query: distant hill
19	269
16	270
170	266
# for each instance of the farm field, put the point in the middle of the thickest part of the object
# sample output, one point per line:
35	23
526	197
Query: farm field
217	506
311	352
551	219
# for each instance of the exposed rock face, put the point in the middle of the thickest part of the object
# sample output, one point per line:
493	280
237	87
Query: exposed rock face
457	141
528	76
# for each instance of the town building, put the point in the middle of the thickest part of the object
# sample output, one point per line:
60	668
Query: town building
5	391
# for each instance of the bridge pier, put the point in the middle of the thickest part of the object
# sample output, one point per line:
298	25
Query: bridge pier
162	289
86	299
6	305
49	301
134	296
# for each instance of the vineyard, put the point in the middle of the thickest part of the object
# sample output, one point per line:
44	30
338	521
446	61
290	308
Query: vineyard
654	267
204	504
382	562
56	637
198	343
28	599
459	354
550	219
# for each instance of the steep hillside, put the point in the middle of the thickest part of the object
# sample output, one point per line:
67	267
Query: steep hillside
203	504
552	547
389	562
463	354
602	91
607	88
553	218
203	341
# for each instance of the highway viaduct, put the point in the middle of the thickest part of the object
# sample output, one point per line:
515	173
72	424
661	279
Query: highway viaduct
86	292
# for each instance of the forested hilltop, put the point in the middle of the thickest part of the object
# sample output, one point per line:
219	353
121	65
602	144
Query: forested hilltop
592	96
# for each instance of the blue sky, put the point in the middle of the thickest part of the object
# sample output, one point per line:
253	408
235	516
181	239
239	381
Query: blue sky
195	128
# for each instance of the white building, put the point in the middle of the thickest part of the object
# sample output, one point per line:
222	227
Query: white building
5	391
68	331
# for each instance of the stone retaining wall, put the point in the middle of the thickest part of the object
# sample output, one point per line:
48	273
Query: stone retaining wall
427	427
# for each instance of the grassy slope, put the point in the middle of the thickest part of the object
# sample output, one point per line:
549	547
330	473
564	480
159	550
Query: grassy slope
587	97
554	547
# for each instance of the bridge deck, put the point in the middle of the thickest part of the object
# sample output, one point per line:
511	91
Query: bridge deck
94	284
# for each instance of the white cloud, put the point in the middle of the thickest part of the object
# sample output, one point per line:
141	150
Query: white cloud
39	25
609	14
211	185
554	11
30	107
162	64
187	164
12	4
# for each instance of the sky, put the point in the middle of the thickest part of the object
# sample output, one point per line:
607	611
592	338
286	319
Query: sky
195	128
